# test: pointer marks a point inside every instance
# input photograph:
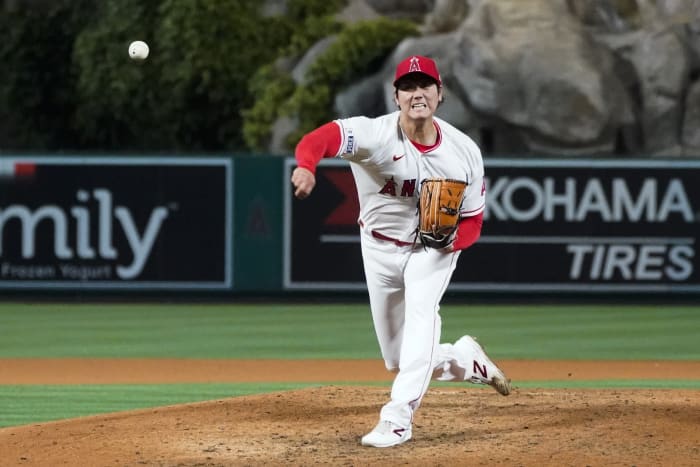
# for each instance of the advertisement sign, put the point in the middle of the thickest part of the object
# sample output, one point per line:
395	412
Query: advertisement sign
115	223
549	226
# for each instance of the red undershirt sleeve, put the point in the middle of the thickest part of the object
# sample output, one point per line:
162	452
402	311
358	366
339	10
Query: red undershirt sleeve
468	231
322	142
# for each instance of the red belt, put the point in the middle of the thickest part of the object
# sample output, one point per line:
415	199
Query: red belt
396	242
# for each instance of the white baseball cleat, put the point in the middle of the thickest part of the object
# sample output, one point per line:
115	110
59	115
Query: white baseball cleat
386	434
480	369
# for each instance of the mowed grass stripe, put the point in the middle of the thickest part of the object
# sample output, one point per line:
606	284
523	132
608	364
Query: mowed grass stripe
23	404
336	331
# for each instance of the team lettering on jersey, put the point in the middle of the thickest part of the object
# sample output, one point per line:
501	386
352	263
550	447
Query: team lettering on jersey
408	187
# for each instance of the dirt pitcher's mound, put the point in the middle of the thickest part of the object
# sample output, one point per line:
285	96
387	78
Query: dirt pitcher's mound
463	426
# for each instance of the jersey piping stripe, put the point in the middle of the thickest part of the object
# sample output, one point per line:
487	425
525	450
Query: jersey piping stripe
381	236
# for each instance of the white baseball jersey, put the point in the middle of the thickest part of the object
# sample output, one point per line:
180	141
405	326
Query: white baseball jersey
388	169
406	282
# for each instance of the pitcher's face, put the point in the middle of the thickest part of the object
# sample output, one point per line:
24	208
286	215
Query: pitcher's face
417	96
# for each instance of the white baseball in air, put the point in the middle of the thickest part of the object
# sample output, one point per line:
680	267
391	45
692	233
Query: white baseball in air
138	50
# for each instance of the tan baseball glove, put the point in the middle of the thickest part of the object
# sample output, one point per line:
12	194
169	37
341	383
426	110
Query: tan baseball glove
438	210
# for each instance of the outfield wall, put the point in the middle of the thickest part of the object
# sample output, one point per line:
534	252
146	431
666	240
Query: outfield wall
224	226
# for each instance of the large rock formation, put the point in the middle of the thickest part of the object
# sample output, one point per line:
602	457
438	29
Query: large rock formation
552	77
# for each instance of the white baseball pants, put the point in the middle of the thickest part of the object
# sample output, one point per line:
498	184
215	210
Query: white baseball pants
405	285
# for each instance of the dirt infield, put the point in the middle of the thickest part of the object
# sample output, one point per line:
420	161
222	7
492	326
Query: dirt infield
467	425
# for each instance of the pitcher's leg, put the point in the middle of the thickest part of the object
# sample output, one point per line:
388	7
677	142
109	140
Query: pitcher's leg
387	307
427	274
386	297
466	360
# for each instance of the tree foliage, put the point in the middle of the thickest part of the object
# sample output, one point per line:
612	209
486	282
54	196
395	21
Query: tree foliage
38	85
357	50
114	95
211	49
188	94
209	84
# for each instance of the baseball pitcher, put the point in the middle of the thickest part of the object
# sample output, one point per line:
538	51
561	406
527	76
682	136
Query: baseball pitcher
420	183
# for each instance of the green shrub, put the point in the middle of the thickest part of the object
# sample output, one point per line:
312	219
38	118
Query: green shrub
38	85
311	21
68	83
359	49
212	48
115	96
299	10
188	95
269	88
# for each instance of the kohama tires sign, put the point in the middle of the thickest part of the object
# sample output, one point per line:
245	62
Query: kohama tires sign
549	226
115	223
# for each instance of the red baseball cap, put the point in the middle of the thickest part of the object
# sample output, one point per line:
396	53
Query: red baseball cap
417	64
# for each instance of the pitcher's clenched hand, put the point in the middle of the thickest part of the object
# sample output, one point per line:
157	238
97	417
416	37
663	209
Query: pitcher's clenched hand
304	182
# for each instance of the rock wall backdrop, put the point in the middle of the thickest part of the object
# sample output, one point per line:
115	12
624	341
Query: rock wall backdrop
546	77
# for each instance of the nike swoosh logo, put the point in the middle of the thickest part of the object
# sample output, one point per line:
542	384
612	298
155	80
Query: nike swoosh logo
399	431
398	157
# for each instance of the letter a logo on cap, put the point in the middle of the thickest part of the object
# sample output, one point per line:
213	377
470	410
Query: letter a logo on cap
417	64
